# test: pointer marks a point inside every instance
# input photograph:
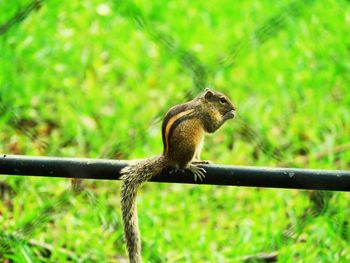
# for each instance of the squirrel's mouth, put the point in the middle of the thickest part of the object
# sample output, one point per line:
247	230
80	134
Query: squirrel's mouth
230	114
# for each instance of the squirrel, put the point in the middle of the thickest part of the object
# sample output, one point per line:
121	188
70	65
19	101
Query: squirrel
183	131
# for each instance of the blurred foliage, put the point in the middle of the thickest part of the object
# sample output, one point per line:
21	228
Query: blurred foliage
93	79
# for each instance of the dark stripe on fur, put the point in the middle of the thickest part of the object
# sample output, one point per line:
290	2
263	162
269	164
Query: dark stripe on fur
172	112
177	122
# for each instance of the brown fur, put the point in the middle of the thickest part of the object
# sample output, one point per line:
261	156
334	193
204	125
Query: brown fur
133	176
182	132
187	136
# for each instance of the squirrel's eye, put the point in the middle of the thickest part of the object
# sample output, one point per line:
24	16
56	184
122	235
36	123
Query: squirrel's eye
223	100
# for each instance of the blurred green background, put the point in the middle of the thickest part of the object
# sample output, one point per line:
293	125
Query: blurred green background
94	78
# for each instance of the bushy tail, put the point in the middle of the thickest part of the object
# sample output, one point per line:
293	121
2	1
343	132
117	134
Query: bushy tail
133	176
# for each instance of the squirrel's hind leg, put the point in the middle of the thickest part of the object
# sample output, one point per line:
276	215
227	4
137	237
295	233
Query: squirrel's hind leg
197	171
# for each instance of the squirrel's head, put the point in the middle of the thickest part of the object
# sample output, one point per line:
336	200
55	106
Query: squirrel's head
220	102
218	108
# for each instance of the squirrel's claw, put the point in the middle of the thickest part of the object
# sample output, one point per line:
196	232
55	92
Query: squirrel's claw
197	171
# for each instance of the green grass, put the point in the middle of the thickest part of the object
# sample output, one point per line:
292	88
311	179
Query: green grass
91	79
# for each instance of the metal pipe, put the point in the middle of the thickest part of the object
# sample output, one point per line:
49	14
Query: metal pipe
335	180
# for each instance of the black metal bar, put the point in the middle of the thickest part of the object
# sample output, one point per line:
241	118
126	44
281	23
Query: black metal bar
335	180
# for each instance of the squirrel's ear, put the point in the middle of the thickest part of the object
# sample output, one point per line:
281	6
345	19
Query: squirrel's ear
208	93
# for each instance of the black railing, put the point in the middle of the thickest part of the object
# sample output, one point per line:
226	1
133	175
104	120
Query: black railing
335	180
